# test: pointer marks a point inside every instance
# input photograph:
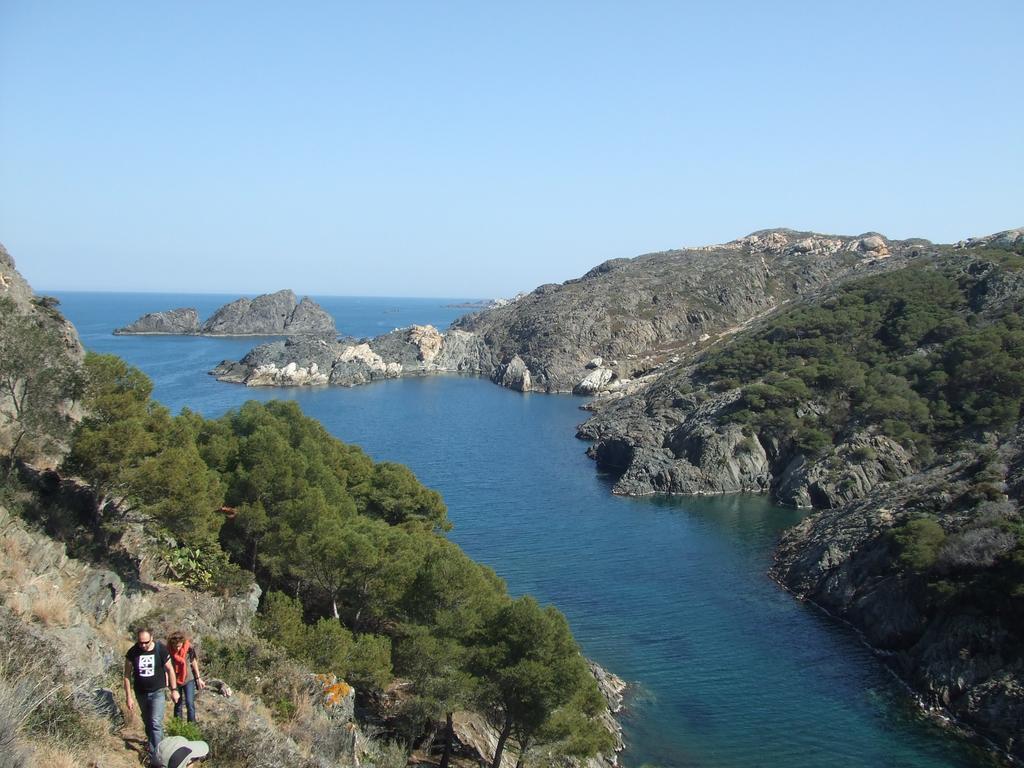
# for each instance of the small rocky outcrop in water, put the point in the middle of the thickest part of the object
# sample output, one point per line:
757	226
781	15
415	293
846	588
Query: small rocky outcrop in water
272	314
183	321
418	350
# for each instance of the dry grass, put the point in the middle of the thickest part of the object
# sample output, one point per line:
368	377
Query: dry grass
52	608
56	756
106	751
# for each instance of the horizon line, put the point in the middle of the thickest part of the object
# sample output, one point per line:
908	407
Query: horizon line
250	294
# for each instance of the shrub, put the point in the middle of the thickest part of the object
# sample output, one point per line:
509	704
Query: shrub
52	609
975	548
920	541
387	754
259	668
747	445
176	726
863	453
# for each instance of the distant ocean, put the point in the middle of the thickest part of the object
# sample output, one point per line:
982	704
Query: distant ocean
671	594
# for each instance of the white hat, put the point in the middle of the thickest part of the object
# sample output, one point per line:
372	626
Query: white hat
177	751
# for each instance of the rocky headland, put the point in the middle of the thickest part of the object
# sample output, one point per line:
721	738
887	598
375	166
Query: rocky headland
596	334
272	314
891	405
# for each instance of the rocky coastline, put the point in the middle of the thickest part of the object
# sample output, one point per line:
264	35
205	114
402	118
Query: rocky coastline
609	331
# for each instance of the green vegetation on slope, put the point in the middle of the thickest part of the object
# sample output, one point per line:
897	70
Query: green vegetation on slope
923	356
904	353
35	383
358	579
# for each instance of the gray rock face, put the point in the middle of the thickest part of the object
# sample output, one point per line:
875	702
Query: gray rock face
514	375
623	319
272	314
1010	239
183	321
309	317
636	314
304	361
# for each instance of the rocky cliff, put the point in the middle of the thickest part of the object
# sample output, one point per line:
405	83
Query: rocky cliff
272	314
626	316
950	625
893	405
686	427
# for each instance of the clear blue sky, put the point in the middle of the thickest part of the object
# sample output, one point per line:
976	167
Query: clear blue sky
481	148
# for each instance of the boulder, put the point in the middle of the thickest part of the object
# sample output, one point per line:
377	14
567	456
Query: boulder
594	382
514	375
98	592
336	698
427	340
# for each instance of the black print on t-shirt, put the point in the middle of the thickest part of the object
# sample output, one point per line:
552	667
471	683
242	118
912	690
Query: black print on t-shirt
147	665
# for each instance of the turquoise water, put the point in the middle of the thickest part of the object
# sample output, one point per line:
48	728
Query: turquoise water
730	672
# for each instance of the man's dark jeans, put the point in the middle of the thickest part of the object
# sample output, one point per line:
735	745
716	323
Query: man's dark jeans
151	708
187	700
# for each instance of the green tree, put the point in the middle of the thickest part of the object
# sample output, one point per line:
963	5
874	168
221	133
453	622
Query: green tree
326	645
446	607
437	665
530	668
920	541
37	379
121	427
394	495
179	490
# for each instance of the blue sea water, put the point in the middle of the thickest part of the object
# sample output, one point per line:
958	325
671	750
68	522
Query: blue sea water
672	594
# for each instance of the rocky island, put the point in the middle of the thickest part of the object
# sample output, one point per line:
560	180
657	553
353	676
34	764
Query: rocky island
272	314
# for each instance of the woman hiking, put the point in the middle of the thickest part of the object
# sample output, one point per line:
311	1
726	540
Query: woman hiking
186	669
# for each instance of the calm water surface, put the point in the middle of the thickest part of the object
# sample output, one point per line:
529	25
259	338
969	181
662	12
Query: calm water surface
730	672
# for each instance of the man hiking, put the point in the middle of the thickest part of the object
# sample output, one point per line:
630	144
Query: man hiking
148	669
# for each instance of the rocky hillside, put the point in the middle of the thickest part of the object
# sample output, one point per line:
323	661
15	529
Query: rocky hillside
272	314
80	616
37	339
893	404
800	405
628	315
597	333
418	350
